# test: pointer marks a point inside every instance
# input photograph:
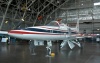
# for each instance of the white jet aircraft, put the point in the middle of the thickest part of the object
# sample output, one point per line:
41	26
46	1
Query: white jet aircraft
53	31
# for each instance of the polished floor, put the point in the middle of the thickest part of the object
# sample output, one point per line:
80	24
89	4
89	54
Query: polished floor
90	53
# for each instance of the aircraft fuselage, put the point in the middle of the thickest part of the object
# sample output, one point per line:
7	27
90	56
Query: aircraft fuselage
41	33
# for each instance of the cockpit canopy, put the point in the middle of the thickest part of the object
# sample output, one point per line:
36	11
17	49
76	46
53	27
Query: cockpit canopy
54	23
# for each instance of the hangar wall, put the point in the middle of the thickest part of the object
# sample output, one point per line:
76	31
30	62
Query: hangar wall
70	11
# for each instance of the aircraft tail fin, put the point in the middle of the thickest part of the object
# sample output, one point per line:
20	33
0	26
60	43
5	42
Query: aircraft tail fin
77	26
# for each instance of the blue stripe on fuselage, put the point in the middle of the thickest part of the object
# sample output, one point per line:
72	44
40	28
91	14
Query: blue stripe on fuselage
48	31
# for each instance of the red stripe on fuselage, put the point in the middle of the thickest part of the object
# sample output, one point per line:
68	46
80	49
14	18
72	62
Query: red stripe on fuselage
20	32
24	32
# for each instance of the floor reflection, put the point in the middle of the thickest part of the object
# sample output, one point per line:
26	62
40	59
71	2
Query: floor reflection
21	54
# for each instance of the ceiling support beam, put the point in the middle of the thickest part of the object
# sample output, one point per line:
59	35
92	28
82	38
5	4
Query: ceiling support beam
5	14
55	10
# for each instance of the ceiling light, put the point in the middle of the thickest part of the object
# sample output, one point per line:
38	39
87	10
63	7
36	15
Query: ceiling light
6	21
22	19
98	29
82	4
57	1
98	34
29	9
97	3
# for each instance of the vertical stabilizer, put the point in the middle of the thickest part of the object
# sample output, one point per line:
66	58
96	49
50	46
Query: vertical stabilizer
77	26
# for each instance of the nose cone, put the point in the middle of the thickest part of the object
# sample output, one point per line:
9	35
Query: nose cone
10	31
14	33
18	34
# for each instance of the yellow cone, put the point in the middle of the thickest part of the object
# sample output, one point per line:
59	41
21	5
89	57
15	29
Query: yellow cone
52	54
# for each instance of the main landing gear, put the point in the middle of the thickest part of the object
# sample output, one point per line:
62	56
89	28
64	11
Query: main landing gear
49	45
